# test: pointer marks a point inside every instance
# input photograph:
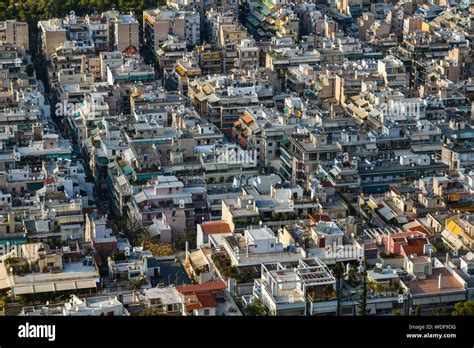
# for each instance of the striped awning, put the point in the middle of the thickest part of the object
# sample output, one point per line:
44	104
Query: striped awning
180	70
53	287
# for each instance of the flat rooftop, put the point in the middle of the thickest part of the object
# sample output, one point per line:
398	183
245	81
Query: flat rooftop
430	285
74	270
166	295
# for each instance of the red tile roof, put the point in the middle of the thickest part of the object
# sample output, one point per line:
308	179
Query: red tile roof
130	50
193	306
214	286
404	234
414	246
216	227
50	180
326	183
421	229
318	218
206	300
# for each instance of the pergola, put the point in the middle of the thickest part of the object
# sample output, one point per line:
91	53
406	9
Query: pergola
310	272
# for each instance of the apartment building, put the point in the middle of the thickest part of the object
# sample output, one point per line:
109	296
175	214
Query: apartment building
125	30
53	34
105	32
302	153
248	54
15	33
163	21
393	72
167	195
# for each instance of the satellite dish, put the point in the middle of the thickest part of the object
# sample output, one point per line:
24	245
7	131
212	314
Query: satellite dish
469	256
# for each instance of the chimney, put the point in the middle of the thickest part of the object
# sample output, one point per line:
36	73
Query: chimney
440	281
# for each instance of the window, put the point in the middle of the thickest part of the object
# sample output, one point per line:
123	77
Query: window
206	312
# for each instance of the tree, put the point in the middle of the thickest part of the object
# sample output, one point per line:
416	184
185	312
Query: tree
329	292
189	236
233	272
156	248
338	272
22	299
362	306
257	308
463	308
149	312
30	69
133	229
307	242
138	283
418	311
352	276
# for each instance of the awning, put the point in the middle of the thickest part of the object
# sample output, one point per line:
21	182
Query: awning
63	286
180	70
268	4
453	197
201	96
213	98
53	287
264	11
371	146
420	137
140	197
86	284
207	89
198	259
44	288
182	200
360	112
247	118
22	289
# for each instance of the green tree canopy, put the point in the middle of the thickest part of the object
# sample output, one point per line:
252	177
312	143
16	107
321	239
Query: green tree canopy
257	308
34	10
463	308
